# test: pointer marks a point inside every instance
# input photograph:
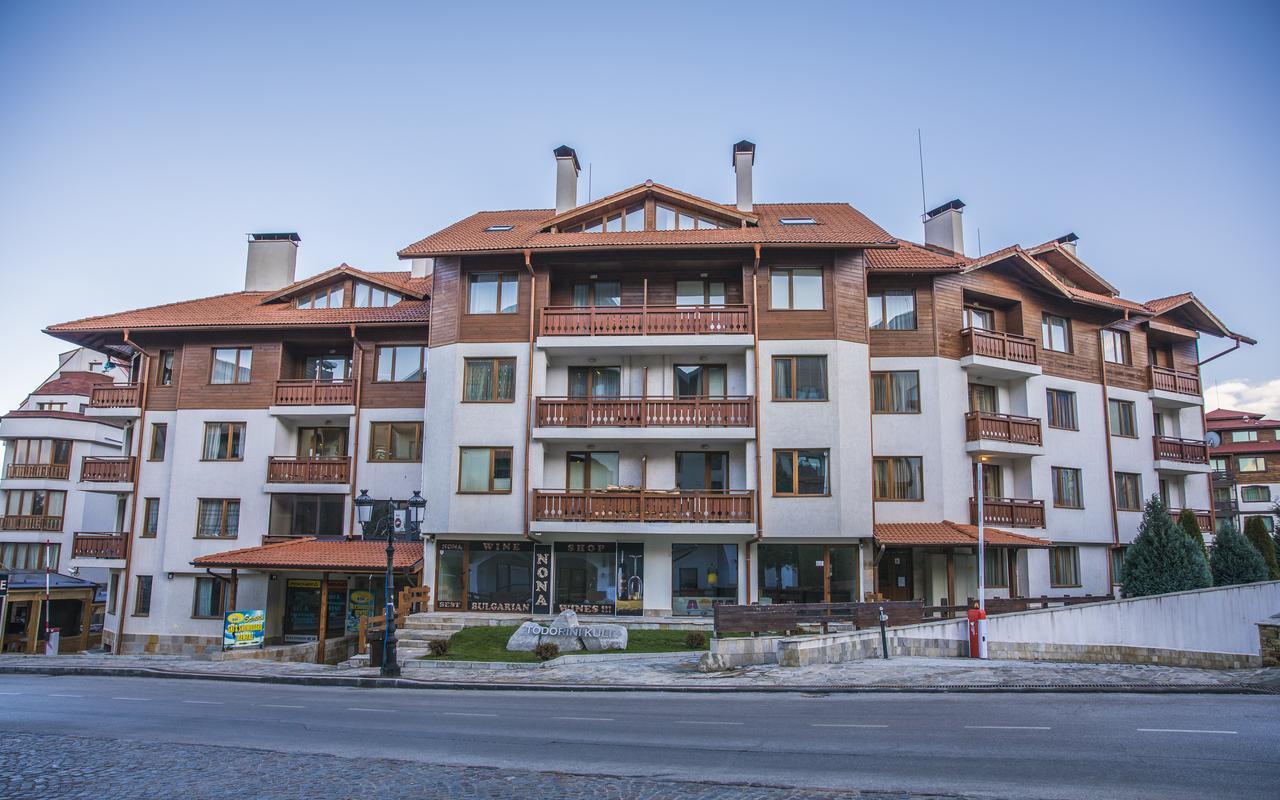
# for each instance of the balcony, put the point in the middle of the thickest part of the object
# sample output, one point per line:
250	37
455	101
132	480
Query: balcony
314	393
652	505
1007	512
1001	434
1203	518
1185	456
645	320
30	522
115	400
1173	389
95	469
330	471
99	545
999	355
53	472
733	416
1226	508
1223	477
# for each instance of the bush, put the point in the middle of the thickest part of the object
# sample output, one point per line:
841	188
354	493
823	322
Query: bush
1191	526
1163	558
695	640
1234	560
1255	530
547	651
438	647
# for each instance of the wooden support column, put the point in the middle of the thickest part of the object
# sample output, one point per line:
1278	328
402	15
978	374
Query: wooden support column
33	626
86	616
235	590
951	578
1013	572
324	616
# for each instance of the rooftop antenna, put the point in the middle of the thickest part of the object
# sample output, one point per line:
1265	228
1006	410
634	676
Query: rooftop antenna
589	198
979	241
924	206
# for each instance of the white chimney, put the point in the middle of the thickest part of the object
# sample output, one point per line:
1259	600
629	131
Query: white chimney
421	267
944	228
1068	242
567	169
272	263
744	157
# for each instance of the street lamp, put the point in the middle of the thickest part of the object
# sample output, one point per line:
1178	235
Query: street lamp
386	526
982	563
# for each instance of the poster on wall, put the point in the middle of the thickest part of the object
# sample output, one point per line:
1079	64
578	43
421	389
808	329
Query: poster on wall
244	629
360	605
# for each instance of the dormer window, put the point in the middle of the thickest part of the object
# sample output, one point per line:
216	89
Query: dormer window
798	221
369	296
328	297
667	218
497	228
619	221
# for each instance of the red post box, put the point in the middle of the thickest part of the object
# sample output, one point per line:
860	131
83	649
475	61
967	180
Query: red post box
975	631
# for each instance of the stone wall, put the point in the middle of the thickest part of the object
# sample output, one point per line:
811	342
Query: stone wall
1269	641
335	652
156	644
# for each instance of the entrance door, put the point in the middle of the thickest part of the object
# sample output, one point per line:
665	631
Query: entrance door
630	579
895	575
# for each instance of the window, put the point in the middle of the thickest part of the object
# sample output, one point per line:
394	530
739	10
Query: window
996	567
898	478
326	297
984	319
983	397
326	368
795	289
231	364
223	441
595	381
218	518
1062	409
1244	436
1115	346
309	514
492	293
1064	566
699	293
395	441
593	470
1122	417
1067	492
1055	333
891	310
799	473
164	368
633	218
1128	491
1218	464
322	442
1267	522
699	471
489	380
798	221
30	555
370	296
1255	494
485	470
142	597
1117	563
799	377
664	218
402	363
895	392
700	380
113	590
598	294
49	405
37	503
1251	464
209	599
150	517
33	455
498	228
159	438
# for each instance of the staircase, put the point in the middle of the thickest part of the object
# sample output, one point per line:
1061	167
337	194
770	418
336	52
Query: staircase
419	629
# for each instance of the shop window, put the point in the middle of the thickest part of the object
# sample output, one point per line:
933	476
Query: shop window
586	577
799	377
496	577
702	576
807	573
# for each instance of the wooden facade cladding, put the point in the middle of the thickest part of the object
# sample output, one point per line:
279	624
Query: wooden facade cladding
924	339
411	394
849	269
783	324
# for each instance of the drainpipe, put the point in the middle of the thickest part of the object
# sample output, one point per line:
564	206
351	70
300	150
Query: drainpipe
528	396
355	436
1111	474
759	418
143	385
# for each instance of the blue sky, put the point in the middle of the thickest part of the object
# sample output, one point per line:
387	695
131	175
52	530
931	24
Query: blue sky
140	142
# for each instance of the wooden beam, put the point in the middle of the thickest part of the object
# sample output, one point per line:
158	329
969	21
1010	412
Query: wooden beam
951	577
324	616
33	627
86	616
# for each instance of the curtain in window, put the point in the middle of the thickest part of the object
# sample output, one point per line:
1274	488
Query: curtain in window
900	310
479	379
224	366
811	378
210	518
404	442
208	597
506	380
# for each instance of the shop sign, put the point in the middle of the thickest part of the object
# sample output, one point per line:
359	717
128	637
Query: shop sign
542	579
4	583
244	629
586	608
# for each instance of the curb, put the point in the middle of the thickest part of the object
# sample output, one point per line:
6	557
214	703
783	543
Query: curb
370	682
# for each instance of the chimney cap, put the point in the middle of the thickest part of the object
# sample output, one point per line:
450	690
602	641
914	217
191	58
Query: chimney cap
745	147
565	151
1070	238
954	205
275	237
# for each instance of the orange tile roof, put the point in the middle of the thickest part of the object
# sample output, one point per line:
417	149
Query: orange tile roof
949	534
308	553
913	257
73	383
837	224
42	414
1163	304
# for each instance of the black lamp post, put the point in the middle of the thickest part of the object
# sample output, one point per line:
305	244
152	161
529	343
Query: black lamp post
386	526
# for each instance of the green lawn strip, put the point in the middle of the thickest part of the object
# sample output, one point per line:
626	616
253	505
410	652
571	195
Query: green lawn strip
489	643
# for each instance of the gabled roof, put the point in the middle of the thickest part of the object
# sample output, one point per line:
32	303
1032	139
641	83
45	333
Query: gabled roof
1043	274
949	534
1245	448
393	281
912	257
1197	315
73	383
642	191
1059	257
310	553
1227	420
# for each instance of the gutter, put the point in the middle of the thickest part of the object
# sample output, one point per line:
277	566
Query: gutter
144	386
528	397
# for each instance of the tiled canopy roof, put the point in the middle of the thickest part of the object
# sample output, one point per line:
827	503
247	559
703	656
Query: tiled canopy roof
948	534
912	257
1245	448
73	415
73	383
309	553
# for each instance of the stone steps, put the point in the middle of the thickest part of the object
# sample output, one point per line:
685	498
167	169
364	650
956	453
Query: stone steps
421	634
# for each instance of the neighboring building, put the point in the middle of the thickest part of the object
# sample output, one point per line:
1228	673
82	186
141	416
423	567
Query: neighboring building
648	404
1246	466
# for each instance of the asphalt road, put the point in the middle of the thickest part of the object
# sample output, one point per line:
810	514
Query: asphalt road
1004	745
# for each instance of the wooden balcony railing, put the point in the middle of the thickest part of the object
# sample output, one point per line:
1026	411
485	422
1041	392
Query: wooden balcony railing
1190	451
30	522
308	470
642	412
107	470
1002	428
1223	476
1009	512
1228	508
1203	518
558	505
1171	380
997	344
55	472
315	393
643	320
114	396
98	545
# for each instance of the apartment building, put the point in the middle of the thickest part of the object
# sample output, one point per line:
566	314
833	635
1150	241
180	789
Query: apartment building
1246	466
647	404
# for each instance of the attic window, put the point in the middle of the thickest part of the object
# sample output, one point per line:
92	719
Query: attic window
798	221
368	296
328	297
497	228
667	218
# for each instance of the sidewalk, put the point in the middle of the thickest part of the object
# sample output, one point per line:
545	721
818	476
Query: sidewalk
668	673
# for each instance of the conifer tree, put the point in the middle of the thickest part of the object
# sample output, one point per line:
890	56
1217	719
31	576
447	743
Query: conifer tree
1255	530
1191	526
1234	560
1163	558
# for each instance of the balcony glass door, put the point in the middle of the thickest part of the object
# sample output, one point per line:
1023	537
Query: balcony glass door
700	380
701	472
326	368
591	471
699	293
983	319
992	481
601	294
983	398
595	381
322	442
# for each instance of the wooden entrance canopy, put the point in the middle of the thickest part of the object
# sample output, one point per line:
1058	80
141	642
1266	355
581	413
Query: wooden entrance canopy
28	586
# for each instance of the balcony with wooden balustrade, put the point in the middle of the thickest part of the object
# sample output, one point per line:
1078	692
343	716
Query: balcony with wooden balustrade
1203	518
1183	456
1173	388
101	469
646	506
997	354
52	472
1008	512
99	545
296	393
334	472
987	433
645	417
30	522
645	320
115	400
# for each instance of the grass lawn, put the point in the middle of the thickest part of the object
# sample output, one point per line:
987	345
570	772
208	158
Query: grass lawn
489	643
